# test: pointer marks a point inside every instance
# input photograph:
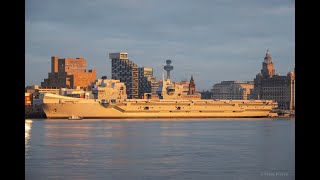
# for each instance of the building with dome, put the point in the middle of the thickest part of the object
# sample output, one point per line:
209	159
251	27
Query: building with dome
271	86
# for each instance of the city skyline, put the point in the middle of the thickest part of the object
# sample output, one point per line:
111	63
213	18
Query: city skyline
211	40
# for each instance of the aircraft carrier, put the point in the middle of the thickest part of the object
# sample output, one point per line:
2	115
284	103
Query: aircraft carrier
110	102
56	106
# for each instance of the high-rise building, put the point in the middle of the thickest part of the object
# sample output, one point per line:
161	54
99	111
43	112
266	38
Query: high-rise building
68	73
126	71
146	79
271	86
232	90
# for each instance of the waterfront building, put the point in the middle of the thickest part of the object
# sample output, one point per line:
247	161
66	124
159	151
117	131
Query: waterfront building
34	92
243	90
271	86
146	79
126	71
27	101
206	95
31	109
232	90
251	94
68	73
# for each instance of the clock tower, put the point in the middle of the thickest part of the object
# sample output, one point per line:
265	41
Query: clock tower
192	86
267	66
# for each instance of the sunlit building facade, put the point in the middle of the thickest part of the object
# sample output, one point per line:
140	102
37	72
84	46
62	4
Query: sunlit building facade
271	86
68	73
232	90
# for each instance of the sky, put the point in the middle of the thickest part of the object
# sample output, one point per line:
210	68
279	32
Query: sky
213	40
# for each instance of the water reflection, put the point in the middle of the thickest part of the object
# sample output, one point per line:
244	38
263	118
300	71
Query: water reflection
27	131
171	130
100	149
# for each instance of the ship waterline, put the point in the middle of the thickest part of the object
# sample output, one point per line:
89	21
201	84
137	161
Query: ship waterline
56	106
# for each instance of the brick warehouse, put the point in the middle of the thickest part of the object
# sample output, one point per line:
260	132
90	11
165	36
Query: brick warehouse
69	73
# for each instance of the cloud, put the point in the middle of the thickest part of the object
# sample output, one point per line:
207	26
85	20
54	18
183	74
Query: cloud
215	40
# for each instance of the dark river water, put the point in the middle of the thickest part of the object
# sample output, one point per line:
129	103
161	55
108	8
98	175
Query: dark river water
160	149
